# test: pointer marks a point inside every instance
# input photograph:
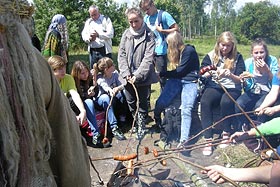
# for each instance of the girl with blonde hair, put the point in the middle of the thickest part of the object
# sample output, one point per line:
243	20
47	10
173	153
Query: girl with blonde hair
109	85
182	80
229	65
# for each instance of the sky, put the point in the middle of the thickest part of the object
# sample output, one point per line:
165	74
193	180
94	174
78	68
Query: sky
238	5
241	3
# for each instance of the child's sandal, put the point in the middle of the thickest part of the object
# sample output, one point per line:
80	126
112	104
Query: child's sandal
225	141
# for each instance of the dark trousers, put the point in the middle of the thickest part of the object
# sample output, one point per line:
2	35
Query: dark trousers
161	66
131	99
97	53
211	98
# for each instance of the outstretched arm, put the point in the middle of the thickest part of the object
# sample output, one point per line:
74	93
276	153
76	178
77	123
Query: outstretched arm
258	174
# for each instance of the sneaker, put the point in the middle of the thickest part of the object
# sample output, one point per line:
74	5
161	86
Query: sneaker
118	134
184	152
95	139
208	149
133	130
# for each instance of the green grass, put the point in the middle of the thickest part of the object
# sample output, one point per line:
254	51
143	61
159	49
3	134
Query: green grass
203	46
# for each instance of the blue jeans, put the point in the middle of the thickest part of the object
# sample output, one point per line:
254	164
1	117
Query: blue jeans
188	98
103	101
89	106
171	89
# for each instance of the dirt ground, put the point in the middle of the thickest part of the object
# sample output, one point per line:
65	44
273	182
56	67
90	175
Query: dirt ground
152	173
180	170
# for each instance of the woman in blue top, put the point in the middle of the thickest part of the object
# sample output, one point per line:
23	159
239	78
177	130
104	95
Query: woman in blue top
261	67
182	80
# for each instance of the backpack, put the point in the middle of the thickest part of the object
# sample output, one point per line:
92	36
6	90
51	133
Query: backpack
171	123
159	21
159	17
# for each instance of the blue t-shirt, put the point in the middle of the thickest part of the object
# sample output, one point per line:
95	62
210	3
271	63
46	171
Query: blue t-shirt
276	79
167	22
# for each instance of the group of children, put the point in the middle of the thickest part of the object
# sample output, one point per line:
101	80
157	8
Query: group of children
247	82
91	91
101	89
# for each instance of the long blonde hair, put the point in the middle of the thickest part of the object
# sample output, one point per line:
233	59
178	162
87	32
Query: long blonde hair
102	64
175	47
226	37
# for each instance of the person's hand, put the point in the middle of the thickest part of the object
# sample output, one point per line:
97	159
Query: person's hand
81	118
159	28
261	65
235	135
93	73
91	91
259	111
131	79
111	92
224	73
214	173
245	75
116	89
93	36
212	73
269	111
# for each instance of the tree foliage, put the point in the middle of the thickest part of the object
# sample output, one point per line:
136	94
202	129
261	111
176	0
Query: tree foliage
253	20
76	13
259	20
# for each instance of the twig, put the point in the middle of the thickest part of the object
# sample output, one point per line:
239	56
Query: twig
101	182
216	123
250	120
106	118
135	117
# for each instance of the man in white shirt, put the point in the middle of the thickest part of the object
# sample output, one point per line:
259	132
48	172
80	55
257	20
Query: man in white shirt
98	33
